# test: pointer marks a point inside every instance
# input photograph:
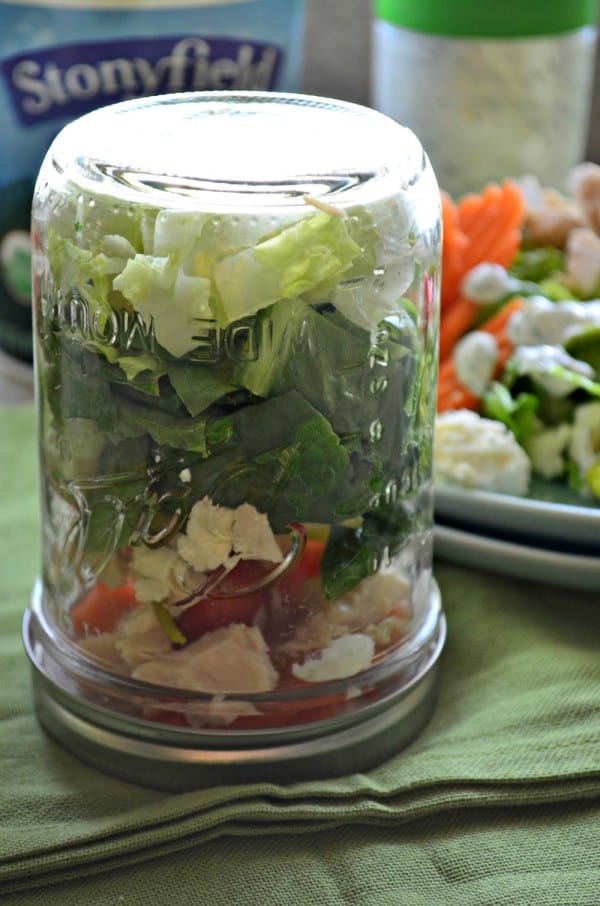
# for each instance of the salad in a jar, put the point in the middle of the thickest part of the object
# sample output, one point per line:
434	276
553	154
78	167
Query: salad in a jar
236	393
519	379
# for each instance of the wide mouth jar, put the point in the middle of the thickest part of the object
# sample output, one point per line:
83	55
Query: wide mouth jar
236	313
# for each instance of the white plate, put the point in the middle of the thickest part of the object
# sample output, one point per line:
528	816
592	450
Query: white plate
550	513
521	560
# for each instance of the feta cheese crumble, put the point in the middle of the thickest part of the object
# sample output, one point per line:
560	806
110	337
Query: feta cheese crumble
475	359
215	536
343	657
213	533
476	452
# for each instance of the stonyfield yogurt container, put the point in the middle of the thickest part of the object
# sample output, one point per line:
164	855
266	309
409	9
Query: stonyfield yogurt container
236	318
60	59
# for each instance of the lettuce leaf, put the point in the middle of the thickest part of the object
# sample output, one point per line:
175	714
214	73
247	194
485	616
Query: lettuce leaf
308	255
198	386
168	299
517	413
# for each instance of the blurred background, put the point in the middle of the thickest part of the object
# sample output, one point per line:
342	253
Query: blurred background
337	49
337	57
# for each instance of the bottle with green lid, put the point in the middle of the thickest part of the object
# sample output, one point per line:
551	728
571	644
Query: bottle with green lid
491	90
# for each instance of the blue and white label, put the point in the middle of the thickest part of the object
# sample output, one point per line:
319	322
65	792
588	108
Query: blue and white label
72	79
60	59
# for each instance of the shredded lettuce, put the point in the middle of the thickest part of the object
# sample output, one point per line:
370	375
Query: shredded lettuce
310	255
168	300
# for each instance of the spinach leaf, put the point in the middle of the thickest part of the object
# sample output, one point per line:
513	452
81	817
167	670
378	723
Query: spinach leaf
76	386
352	554
165	428
283	457
353	378
197	385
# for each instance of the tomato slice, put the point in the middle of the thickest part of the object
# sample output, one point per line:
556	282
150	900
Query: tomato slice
310	563
228	607
305	571
214	613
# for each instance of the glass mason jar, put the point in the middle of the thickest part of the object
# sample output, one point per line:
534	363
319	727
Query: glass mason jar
236	318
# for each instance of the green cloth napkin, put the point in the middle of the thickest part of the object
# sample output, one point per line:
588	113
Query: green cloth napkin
497	801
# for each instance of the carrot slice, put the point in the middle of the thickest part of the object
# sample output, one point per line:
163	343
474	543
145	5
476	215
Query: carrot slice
452	394
492	222
455	322
459	397
470	207
480	227
453	246
498	322
506	249
489	225
101	608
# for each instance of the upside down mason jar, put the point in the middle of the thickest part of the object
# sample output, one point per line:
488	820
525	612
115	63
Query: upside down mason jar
236	313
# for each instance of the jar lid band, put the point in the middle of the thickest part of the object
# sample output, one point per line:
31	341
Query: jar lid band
478	18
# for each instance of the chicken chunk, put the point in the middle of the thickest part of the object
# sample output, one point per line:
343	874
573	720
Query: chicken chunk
584	185
233	659
583	260
550	218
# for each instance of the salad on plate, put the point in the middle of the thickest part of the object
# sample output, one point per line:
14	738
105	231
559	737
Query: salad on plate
519	373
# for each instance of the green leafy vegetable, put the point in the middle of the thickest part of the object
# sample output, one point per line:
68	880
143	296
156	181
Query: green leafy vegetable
353	378
309	255
586	347
198	386
282	456
537	264
353	554
517	413
170	301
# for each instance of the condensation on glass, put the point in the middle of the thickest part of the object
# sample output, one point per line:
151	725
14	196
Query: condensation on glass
236	315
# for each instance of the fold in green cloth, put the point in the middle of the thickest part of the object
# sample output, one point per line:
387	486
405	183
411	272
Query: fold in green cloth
516	731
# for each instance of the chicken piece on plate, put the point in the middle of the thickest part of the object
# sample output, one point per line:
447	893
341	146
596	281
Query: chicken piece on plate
584	185
583	261
551	217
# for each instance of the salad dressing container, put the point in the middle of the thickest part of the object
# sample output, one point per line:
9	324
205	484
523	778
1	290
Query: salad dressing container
236	323
493	90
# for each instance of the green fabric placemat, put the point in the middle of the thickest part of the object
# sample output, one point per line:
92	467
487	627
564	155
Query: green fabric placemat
520	856
516	731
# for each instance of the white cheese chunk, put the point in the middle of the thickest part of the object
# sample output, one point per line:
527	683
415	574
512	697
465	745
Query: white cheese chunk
343	657
476	452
